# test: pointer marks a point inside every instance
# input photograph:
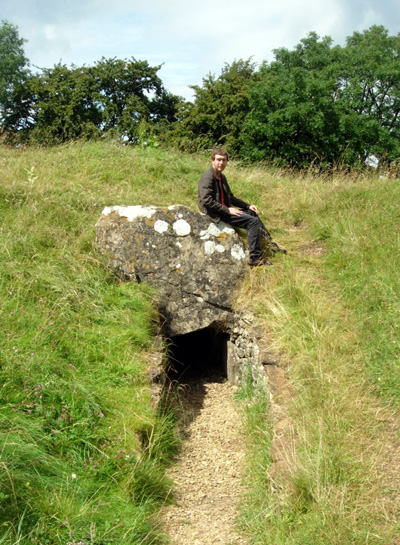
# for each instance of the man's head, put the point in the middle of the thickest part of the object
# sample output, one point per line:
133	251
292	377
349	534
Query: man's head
219	159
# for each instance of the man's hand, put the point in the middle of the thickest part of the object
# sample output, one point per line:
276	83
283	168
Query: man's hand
235	211
254	208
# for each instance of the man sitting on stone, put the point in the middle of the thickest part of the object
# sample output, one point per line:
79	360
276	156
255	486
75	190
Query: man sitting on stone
218	202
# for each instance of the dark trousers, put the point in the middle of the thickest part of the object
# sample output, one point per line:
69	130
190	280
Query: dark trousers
256	230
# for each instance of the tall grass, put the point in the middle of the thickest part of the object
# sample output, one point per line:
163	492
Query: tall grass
331	310
364	260
75	401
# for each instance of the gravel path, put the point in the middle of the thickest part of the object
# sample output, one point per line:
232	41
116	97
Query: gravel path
208	474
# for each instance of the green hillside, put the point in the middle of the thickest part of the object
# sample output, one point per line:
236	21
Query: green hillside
74	346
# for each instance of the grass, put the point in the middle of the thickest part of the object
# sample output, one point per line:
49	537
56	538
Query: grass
75	402
330	310
74	348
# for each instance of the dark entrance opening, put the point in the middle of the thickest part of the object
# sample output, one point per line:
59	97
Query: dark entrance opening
202	353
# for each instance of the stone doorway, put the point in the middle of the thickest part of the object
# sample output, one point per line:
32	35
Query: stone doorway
201	353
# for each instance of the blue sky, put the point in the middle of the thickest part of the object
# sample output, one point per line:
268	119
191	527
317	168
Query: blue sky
189	38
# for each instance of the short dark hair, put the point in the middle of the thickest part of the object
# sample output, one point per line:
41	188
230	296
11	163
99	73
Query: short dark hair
219	151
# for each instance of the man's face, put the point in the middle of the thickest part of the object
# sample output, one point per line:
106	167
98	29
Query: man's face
219	163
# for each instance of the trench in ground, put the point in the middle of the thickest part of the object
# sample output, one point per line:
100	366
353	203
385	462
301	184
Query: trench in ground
207	473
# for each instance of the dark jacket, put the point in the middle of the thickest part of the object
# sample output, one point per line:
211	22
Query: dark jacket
210	196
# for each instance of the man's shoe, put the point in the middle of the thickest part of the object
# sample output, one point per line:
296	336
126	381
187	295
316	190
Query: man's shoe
259	262
275	248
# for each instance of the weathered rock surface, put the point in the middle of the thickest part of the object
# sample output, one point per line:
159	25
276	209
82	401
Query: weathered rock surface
195	264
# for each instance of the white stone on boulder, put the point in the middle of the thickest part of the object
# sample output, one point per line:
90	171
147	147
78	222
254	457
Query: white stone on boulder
161	226
181	227
131	212
209	247
215	230
237	252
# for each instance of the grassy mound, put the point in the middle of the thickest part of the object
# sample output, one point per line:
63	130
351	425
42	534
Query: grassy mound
74	344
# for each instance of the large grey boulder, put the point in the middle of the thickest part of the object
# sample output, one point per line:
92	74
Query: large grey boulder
195	264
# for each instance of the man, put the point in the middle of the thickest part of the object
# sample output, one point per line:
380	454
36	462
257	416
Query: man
218	202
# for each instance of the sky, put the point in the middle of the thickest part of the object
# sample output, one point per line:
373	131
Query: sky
190	39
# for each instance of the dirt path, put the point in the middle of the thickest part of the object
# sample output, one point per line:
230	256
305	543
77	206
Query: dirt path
208	474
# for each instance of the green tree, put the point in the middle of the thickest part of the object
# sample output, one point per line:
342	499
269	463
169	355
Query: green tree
124	89
62	103
327	105
294	117
219	108
370	95
56	105
13	65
